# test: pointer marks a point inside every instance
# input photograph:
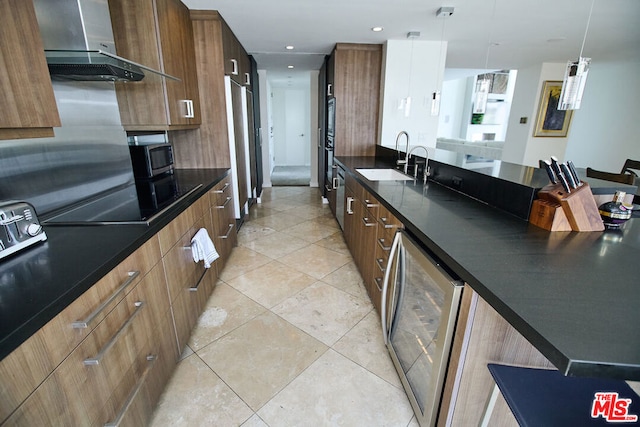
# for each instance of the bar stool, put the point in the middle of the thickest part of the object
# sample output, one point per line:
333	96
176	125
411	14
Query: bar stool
540	397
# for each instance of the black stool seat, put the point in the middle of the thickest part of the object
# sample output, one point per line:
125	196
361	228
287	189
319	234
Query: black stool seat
539	397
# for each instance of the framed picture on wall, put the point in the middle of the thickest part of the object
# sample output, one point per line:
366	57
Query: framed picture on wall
551	122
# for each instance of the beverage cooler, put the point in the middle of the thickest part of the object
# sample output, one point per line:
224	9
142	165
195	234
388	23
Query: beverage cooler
420	303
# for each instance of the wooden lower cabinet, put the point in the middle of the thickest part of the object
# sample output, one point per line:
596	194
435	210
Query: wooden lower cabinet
482	336
369	229
107	357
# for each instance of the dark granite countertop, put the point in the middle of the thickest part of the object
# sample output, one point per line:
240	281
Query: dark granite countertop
574	296
39	282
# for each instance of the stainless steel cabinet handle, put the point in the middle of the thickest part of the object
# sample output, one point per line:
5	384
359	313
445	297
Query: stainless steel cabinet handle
223	189
381	264
247	79
329	88
224	205
385	224
127	403
195	287
383	246
234	70
366	222
369	203
335	183
349	205
328	188
82	324
189	103
98	357
226	236
378	283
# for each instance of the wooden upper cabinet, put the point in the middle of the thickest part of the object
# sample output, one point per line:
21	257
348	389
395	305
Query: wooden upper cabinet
158	34
28	105
354	71
236	61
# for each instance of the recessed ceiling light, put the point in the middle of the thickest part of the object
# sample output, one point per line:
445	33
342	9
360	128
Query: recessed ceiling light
377	29
289	47
289	66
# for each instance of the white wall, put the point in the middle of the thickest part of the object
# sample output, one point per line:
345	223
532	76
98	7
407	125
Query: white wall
606	129
265	122
520	144
451	108
603	132
411	68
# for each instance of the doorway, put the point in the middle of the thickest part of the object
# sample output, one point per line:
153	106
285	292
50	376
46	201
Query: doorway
290	131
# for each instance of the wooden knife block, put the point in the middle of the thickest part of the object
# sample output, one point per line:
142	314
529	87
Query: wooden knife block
557	210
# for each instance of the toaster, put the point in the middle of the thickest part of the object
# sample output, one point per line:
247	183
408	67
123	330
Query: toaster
19	227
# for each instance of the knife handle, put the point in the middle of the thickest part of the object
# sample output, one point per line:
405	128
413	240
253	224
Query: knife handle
567	174
574	173
564	183
556	166
547	166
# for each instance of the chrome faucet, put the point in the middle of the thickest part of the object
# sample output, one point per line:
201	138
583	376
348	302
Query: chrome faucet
415	169
400	161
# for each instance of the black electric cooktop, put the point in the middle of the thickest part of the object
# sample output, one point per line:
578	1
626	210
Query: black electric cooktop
135	203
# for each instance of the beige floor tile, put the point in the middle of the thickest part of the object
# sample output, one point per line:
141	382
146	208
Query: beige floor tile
260	211
315	260
241	261
310	211
364	345
335	242
283	204
310	231
255	421
335	391
226	310
279	222
322	311
251	230
347	278
195	396
276	245
261	357
271	283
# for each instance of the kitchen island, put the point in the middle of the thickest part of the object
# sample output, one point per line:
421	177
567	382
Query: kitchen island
573	296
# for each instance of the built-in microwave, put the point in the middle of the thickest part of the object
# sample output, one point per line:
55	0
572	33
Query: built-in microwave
151	160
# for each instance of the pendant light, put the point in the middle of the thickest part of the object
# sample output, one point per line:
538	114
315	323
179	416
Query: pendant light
481	95
575	76
443	12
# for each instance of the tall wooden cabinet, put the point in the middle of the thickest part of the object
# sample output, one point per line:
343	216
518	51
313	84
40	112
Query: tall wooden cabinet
29	107
353	79
352	75
158	34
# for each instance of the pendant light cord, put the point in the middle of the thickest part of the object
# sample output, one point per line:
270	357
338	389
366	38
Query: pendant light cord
493	14
586	30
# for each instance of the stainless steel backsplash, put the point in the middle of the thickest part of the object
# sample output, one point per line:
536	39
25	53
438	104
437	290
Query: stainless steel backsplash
88	155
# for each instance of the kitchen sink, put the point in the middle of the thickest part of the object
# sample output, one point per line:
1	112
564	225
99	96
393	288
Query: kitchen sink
383	175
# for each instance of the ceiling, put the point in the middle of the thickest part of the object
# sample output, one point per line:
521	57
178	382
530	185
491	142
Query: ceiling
503	34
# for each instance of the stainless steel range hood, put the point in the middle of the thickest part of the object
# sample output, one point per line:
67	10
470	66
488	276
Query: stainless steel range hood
78	42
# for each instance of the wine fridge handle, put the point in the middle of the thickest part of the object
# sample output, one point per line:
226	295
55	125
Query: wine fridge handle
385	287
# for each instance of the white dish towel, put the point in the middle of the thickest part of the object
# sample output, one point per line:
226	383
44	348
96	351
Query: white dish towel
202	248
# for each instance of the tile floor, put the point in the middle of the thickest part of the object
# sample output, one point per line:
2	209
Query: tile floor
289	336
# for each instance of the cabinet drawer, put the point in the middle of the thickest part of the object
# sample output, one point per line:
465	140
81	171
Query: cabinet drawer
179	266
25	368
219	194
173	231
189	304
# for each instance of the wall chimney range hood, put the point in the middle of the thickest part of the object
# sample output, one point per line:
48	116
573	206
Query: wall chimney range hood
96	65
78	42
